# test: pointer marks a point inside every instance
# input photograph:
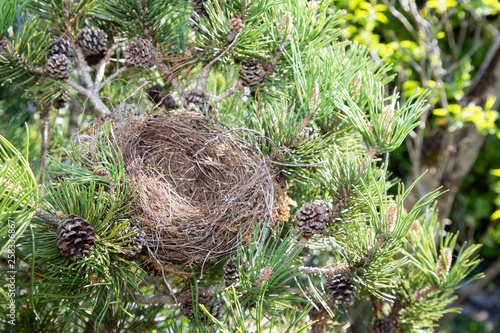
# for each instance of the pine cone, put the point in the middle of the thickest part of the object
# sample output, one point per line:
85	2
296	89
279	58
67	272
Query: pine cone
126	109
62	101
187	300
265	274
92	40
158	95
140	53
199	99
236	25
5	47
58	66
136	242
199	8
383	325
252	72
62	45
312	218
339	290
75	236
231	274
216	308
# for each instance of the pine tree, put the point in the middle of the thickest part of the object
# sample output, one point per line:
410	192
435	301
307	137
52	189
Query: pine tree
234	174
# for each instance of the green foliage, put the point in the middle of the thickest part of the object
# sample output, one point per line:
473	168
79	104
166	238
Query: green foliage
322	120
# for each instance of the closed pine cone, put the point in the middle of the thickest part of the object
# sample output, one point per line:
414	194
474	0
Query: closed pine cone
188	298
159	96
75	236
58	66
383	325
62	101
231	274
140	53
252	72
199	8
312	218
136	242
340	291
236	25
92	40
62	45
199	99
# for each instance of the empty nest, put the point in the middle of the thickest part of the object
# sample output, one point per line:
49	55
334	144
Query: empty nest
201	187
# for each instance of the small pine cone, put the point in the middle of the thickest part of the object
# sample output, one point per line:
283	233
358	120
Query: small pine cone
252	72
58	66
140	53
136	242
199	99
188	298
170	103
62	101
312	218
339	290
236	25
231	274
199	8
216	308
75	236
159	96
383	325
93	41
156	94
265	274
62	45
5	47
126	109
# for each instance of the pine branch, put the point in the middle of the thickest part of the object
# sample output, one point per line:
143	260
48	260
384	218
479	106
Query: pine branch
92	95
47	217
111	77
102	66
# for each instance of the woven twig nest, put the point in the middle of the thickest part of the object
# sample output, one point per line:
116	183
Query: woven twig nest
201	186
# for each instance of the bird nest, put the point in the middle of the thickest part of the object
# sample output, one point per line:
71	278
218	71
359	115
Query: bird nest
202	188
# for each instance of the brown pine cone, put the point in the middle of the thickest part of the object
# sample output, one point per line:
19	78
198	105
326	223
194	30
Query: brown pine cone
199	8
252	72
159	96
187	301
199	99
236	25
75	236
383	325
140	53
62	101
231	274
312	218
339	290
124	109
93	41
62	45
58	66
136	242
